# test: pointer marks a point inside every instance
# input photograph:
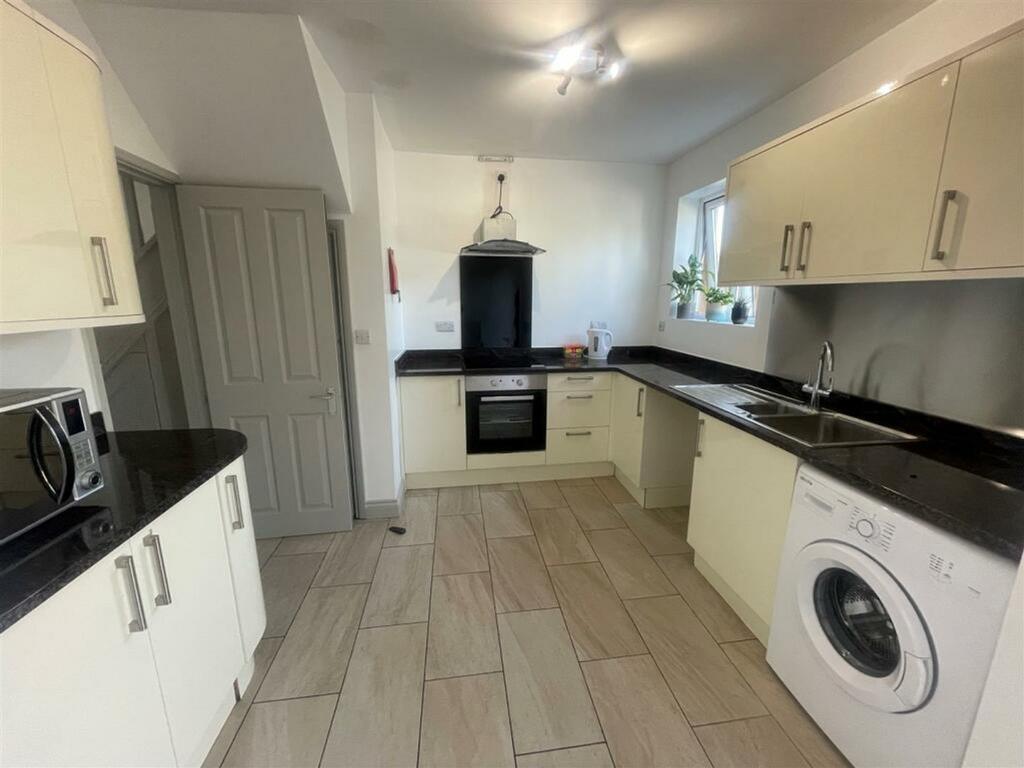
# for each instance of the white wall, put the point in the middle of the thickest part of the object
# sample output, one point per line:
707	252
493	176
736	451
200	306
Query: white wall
939	30
600	224
53	359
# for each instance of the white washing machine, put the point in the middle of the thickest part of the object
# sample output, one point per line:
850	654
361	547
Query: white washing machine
884	626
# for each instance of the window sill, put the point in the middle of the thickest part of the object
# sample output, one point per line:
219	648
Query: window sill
703	321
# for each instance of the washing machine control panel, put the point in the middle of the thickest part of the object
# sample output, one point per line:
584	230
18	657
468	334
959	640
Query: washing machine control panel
872	529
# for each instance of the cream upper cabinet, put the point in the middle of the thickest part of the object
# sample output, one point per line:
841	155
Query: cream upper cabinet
765	200
979	210
65	253
433	423
738	527
871	180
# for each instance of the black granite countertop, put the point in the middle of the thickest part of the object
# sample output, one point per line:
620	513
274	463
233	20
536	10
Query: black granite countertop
964	479
145	474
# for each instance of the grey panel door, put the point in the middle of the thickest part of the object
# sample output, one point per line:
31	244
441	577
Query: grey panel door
261	284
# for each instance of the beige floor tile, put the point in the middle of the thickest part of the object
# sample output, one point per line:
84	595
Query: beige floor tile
265	548
262	658
400	592
542	495
428	492
721	621
460	546
561	539
304	545
661	531
597	621
520	579
353	555
378	717
465	723
280	734
757	743
575	482
705	683
748	657
505	514
315	652
633	572
494	487
642	722
463	636
592	509
613	490
285	582
463	500
419	516
593	756
548	701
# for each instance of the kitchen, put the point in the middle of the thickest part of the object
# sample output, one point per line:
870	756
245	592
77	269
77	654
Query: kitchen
747	525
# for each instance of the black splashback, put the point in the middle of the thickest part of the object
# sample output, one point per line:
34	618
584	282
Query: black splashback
497	301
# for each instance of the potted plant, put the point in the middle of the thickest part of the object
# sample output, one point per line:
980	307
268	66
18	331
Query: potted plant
686	281
741	310
717	301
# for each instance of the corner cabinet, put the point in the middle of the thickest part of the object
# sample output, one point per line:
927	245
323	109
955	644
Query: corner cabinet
737	529
65	253
433	423
135	661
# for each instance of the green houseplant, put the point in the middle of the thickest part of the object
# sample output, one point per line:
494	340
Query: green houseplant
685	283
717	301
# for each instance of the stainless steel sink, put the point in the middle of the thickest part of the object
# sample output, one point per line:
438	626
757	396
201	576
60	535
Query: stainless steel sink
820	429
772	408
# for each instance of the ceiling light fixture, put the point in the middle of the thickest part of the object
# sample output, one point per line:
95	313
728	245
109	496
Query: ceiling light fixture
614	70
567	57
588	62
563	87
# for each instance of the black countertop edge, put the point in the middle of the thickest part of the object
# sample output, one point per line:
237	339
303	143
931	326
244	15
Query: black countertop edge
145	473
964	479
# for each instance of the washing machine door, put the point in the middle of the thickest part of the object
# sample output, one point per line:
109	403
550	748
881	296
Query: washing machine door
864	627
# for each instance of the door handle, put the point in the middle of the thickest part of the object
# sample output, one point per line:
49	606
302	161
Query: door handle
579	378
937	253
138	622
236	500
700	439
153	541
787	247
583	433
805	231
329	394
639	401
579	397
102	254
507	399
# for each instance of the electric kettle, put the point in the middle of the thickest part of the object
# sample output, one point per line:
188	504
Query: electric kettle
599	343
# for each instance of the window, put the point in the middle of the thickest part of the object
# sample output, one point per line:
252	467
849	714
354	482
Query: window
710	221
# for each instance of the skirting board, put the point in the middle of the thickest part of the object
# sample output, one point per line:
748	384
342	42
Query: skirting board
497	460
652	498
754	623
377	510
507	475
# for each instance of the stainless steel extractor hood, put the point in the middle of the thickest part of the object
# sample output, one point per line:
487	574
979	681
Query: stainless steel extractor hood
503	247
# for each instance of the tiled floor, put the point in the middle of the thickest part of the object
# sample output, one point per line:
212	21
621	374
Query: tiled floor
552	624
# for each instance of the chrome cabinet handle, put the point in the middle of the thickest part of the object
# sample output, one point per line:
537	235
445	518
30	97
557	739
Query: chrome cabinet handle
138	623
639	401
236	500
329	394
937	253
584	433
579	378
100	252
805	231
700	438
579	397
458	392
787	247
153	540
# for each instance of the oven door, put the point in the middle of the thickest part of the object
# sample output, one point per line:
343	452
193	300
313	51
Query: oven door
498	422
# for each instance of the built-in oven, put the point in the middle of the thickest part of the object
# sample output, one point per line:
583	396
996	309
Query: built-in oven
506	414
48	456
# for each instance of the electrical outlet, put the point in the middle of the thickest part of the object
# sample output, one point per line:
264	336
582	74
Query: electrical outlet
661	325
444	326
362	336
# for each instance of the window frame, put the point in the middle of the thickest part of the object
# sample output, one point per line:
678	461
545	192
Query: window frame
709	203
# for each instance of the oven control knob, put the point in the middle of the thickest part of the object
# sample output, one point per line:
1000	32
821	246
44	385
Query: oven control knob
865	528
495	382
90	480
519	382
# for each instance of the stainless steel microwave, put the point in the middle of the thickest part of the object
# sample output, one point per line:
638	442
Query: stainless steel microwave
48	456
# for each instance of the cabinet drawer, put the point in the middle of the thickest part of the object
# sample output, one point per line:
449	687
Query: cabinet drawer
579	409
577	446
567	382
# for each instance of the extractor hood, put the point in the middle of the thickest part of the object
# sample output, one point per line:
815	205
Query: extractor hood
502	247
498	234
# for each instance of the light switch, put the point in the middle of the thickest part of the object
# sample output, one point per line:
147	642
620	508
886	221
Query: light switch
444	326
362	336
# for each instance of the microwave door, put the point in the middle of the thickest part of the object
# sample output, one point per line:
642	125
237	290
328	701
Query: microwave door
46	442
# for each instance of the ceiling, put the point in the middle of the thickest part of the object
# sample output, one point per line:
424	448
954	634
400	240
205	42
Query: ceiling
471	76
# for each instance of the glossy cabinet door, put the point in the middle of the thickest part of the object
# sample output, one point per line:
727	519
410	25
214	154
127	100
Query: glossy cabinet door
236	519
739	510
871	180
626	439
188	594
982	225
764	201
44	273
77	685
433	423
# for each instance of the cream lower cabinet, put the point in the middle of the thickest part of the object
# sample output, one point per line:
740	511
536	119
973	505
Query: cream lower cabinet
65	253
739	510
433	423
651	442
579	412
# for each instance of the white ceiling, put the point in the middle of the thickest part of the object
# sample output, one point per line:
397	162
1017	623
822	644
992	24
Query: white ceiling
469	76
